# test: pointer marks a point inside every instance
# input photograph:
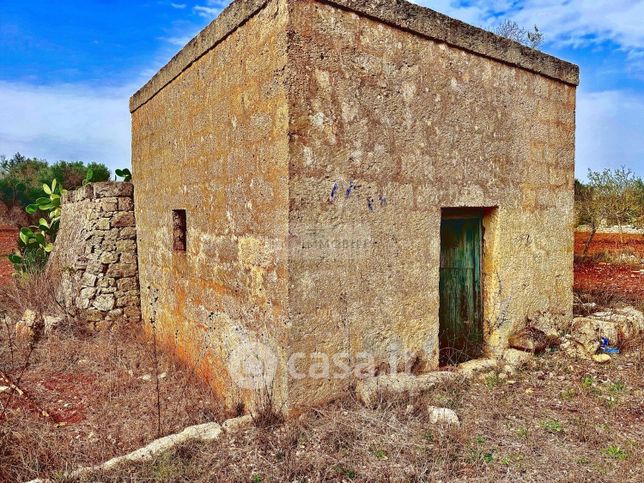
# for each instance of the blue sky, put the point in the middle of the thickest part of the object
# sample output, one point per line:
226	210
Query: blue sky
68	67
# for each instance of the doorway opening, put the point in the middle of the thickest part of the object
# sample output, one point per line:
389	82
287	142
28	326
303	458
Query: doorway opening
461	331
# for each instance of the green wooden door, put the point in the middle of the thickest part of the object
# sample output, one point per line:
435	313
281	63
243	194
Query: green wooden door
461	332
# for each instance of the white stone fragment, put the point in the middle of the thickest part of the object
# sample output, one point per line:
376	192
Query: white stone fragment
443	416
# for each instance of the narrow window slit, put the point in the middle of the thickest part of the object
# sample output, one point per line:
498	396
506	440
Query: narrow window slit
179	230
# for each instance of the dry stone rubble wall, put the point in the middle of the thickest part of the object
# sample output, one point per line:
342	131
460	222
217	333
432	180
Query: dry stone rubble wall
96	253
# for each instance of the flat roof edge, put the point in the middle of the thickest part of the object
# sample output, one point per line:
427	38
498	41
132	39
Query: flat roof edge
441	28
399	13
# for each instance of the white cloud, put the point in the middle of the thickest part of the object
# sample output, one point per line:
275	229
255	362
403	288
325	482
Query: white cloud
207	12
583	23
179	6
610	131
574	23
179	41
68	122
475	14
211	9
580	23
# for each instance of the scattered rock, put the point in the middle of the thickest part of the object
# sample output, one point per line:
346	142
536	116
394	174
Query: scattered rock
30	326
483	376
516	358
530	339
369	391
234	424
471	368
443	416
602	358
202	433
573	348
4	389
52	323
586	333
548	324
628	321
146	377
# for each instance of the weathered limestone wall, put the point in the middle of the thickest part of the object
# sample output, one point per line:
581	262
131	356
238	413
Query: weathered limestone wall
388	128
96	255
214	142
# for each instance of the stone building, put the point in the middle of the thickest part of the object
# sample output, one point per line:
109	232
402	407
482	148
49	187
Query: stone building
362	184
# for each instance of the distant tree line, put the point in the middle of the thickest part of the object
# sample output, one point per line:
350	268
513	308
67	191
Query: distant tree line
613	197
22	178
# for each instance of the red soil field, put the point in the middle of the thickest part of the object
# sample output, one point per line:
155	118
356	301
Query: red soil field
8	237
621	281
609	242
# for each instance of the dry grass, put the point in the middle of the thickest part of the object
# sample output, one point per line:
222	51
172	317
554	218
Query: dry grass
100	393
621	256
561	421
35	291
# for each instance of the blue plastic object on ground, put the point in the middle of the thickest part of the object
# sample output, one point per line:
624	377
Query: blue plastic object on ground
606	348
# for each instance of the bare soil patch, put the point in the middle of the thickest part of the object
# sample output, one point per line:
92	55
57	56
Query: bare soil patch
609	242
99	393
8	237
602	276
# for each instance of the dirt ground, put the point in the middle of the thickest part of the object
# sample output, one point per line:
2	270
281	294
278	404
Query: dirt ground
562	420
612	272
100	397
8	237
609	242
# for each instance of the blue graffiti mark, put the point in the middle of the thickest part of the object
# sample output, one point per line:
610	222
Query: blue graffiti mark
334	191
383	201
349	189
370	203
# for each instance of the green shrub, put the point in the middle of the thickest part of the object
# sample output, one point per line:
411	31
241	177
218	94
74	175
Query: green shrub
124	173
36	242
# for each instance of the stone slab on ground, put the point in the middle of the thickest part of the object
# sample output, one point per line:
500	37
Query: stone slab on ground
232	425
443	416
200	433
370	391
477	366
